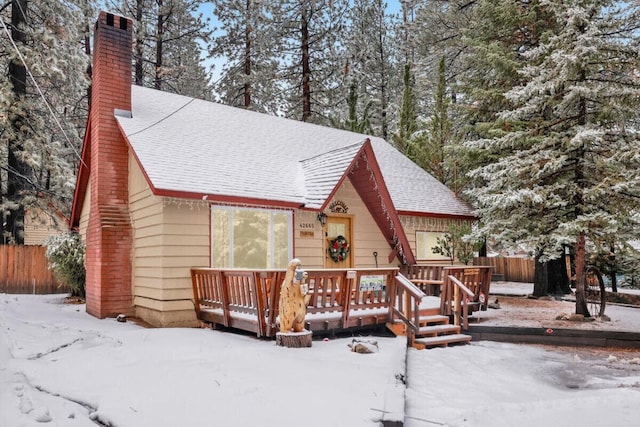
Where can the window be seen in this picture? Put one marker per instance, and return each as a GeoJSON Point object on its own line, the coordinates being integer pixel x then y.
{"type": "Point", "coordinates": [425, 242]}
{"type": "Point", "coordinates": [250, 238]}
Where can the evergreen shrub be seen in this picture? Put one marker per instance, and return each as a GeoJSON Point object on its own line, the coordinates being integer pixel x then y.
{"type": "Point", "coordinates": [65, 254]}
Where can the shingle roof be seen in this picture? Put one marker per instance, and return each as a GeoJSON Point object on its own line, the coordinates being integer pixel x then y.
{"type": "Point", "coordinates": [322, 172]}
{"type": "Point", "coordinates": [193, 146]}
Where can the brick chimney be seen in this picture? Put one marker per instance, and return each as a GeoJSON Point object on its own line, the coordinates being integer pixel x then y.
{"type": "Point", "coordinates": [109, 234]}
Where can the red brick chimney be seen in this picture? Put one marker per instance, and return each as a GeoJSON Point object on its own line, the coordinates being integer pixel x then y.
{"type": "Point", "coordinates": [109, 235]}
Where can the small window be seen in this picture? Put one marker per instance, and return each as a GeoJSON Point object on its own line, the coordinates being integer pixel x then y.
{"type": "Point", "coordinates": [425, 242]}
{"type": "Point", "coordinates": [251, 238]}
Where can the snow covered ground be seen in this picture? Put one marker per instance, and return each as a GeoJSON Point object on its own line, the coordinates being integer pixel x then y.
{"type": "Point", "coordinates": [62, 367]}
{"type": "Point", "coordinates": [517, 310]}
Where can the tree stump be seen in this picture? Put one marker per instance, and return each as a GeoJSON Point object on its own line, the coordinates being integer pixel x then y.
{"type": "Point", "coordinates": [294, 339]}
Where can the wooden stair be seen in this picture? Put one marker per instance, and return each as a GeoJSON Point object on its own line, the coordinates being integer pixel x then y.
{"type": "Point", "coordinates": [434, 330]}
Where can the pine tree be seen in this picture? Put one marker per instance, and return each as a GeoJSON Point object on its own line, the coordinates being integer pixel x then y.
{"type": "Point", "coordinates": [179, 65]}
{"type": "Point", "coordinates": [407, 123]}
{"type": "Point", "coordinates": [179, 29]}
{"type": "Point", "coordinates": [372, 53]}
{"type": "Point", "coordinates": [184, 72]}
{"type": "Point", "coordinates": [354, 122]}
{"type": "Point", "coordinates": [569, 172]}
{"type": "Point", "coordinates": [432, 42]}
{"type": "Point", "coordinates": [437, 29]}
{"type": "Point", "coordinates": [311, 56]}
{"type": "Point", "coordinates": [489, 50]}
{"type": "Point", "coordinates": [166, 45]}
{"type": "Point", "coordinates": [144, 15]}
{"type": "Point", "coordinates": [249, 76]}
{"type": "Point", "coordinates": [17, 168]}
{"type": "Point", "coordinates": [428, 148]}
{"type": "Point", "coordinates": [44, 107]}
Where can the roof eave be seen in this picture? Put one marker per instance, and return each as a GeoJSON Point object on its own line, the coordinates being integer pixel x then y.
{"type": "Point", "coordinates": [82, 180]}
{"type": "Point", "coordinates": [389, 221]}
{"type": "Point", "coordinates": [469, 217]}
{"type": "Point", "coordinates": [226, 199]}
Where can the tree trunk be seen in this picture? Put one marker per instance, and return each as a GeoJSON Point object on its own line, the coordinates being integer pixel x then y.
{"type": "Point", "coordinates": [550, 278]}
{"type": "Point", "coordinates": [306, 67]}
{"type": "Point", "coordinates": [87, 51]}
{"type": "Point", "coordinates": [540, 278]}
{"type": "Point", "coordinates": [294, 339]}
{"type": "Point", "coordinates": [482, 253]}
{"type": "Point", "coordinates": [13, 225]}
{"type": "Point", "coordinates": [247, 56]}
{"type": "Point", "coordinates": [558, 280]}
{"type": "Point", "coordinates": [612, 268]}
{"type": "Point", "coordinates": [384, 102]}
{"type": "Point", "coordinates": [580, 245]}
{"type": "Point", "coordinates": [581, 302]}
{"type": "Point", "coordinates": [139, 46]}
{"type": "Point", "coordinates": [159, 47]}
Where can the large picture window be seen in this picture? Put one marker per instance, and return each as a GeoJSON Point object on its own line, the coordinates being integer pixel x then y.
{"type": "Point", "coordinates": [425, 242]}
{"type": "Point", "coordinates": [250, 238]}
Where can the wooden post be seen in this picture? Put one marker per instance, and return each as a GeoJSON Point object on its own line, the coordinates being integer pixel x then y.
{"type": "Point", "coordinates": [456, 305]}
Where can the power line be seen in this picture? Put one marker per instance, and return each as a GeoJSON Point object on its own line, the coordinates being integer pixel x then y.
{"type": "Point", "coordinates": [53, 115]}
{"type": "Point", "coordinates": [161, 120]}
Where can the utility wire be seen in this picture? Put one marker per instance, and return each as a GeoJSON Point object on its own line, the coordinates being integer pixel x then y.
{"type": "Point", "coordinates": [34, 185]}
{"type": "Point", "coordinates": [55, 118]}
{"type": "Point", "coordinates": [161, 120]}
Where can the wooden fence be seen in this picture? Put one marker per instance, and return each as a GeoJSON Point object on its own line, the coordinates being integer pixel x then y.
{"type": "Point", "coordinates": [510, 269]}
{"type": "Point", "coordinates": [23, 270]}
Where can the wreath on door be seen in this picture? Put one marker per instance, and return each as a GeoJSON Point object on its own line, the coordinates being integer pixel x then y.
{"type": "Point", "coordinates": [339, 249]}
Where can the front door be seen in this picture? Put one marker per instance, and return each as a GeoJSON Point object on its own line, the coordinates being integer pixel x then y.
{"type": "Point", "coordinates": [337, 245]}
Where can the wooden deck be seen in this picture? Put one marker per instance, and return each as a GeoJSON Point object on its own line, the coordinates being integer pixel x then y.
{"type": "Point", "coordinates": [248, 299]}
{"type": "Point", "coordinates": [342, 299]}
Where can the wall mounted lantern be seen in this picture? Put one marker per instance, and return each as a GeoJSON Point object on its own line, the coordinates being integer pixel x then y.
{"type": "Point", "coordinates": [322, 218]}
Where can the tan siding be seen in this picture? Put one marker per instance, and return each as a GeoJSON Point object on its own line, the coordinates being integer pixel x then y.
{"type": "Point", "coordinates": [39, 225]}
{"type": "Point", "coordinates": [162, 305]}
{"type": "Point", "coordinates": [176, 261]}
{"type": "Point", "coordinates": [170, 238]}
{"type": "Point", "coordinates": [367, 237]}
{"type": "Point", "coordinates": [159, 294]}
{"type": "Point", "coordinates": [38, 228]}
{"type": "Point", "coordinates": [84, 213]}
{"type": "Point", "coordinates": [308, 249]}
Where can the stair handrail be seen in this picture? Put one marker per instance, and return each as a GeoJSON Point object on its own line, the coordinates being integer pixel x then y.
{"type": "Point", "coordinates": [458, 301]}
{"type": "Point", "coordinates": [407, 304]}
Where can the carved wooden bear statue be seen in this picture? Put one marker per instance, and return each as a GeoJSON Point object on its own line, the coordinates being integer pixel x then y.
{"type": "Point", "coordinates": [293, 299]}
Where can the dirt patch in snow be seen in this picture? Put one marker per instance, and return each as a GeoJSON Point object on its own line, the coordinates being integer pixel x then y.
{"type": "Point", "coordinates": [623, 298]}
{"type": "Point", "coordinates": [522, 311]}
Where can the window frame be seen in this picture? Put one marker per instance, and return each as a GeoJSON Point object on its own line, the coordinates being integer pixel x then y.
{"type": "Point", "coordinates": [430, 256]}
{"type": "Point", "coordinates": [231, 210]}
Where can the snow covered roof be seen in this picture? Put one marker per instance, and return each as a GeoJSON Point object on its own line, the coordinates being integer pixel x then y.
{"type": "Point", "coordinates": [195, 147]}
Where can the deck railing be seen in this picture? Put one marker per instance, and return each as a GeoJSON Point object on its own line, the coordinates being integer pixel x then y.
{"type": "Point", "coordinates": [339, 298]}
{"type": "Point", "coordinates": [248, 299]}
{"type": "Point", "coordinates": [464, 291]}
{"type": "Point", "coordinates": [236, 298]}
{"type": "Point", "coordinates": [407, 305]}
{"type": "Point", "coordinates": [429, 278]}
